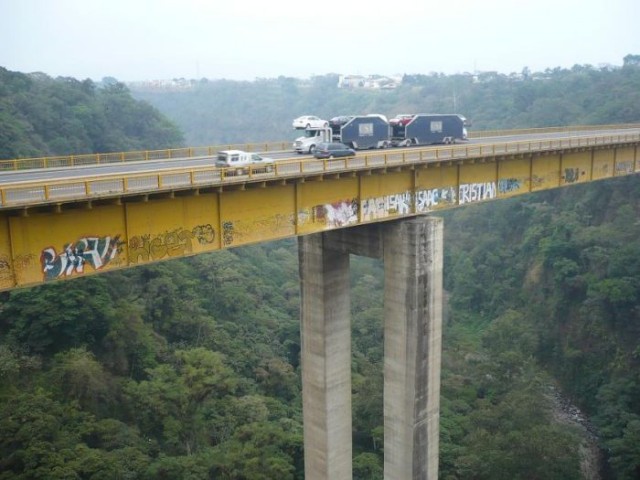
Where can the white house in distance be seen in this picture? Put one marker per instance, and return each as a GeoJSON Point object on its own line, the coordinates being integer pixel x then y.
{"type": "Point", "coordinates": [371, 82]}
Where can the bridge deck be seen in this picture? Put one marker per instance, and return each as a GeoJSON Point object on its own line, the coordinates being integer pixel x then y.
{"type": "Point", "coordinates": [65, 227]}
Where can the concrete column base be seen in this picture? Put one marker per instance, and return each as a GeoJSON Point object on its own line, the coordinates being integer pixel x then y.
{"type": "Point", "coordinates": [412, 254]}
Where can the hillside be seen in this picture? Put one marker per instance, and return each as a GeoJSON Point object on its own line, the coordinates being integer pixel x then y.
{"type": "Point", "coordinates": [190, 368]}
{"type": "Point", "coordinates": [213, 112]}
{"type": "Point", "coordinates": [42, 116]}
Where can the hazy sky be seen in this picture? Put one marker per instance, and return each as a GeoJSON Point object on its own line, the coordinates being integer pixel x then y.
{"type": "Point", "coordinates": [246, 39]}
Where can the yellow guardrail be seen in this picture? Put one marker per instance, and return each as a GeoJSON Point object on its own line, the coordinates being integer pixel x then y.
{"type": "Point", "coordinates": [543, 130]}
{"type": "Point", "coordinates": [112, 185]}
{"type": "Point", "coordinates": [121, 157]}
{"type": "Point", "coordinates": [190, 152]}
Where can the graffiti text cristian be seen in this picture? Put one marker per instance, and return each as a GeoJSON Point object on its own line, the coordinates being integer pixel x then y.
{"type": "Point", "coordinates": [476, 192]}
{"type": "Point", "coordinates": [95, 251]}
{"type": "Point", "coordinates": [144, 248]}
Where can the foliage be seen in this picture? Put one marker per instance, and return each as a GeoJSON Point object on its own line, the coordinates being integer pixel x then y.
{"type": "Point", "coordinates": [218, 112]}
{"type": "Point", "coordinates": [146, 377]}
{"type": "Point", "coordinates": [42, 116]}
{"type": "Point", "coordinates": [575, 252]}
{"type": "Point", "coordinates": [190, 368]}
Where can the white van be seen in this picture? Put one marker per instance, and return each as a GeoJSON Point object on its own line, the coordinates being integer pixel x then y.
{"type": "Point", "coordinates": [238, 158]}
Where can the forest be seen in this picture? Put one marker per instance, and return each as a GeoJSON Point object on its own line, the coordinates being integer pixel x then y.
{"type": "Point", "coordinates": [212, 112]}
{"type": "Point", "coordinates": [190, 368]}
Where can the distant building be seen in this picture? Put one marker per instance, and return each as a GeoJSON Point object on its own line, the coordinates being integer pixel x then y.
{"type": "Point", "coordinates": [370, 82]}
{"type": "Point", "coordinates": [176, 84]}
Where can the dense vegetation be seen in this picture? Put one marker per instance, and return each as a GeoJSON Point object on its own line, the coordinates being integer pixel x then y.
{"type": "Point", "coordinates": [562, 270]}
{"type": "Point", "coordinates": [190, 368]}
{"type": "Point", "coordinates": [223, 111]}
{"type": "Point", "coordinates": [42, 116]}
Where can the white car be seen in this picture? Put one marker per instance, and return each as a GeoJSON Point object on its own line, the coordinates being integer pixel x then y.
{"type": "Point", "coordinates": [309, 121]}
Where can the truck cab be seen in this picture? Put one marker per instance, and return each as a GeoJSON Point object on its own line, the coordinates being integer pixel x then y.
{"type": "Point", "coordinates": [311, 139]}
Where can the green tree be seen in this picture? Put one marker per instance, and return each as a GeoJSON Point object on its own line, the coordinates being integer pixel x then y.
{"type": "Point", "coordinates": [171, 404]}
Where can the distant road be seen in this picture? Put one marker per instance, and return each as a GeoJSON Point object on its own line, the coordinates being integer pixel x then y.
{"type": "Point", "coordinates": [11, 177]}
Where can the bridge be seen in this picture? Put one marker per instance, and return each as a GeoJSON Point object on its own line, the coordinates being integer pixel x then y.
{"type": "Point", "coordinates": [114, 211]}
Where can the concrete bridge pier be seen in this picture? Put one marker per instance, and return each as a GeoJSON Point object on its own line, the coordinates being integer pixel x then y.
{"type": "Point", "coordinates": [326, 359]}
{"type": "Point", "coordinates": [412, 254]}
{"type": "Point", "coordinates": [413, 257]}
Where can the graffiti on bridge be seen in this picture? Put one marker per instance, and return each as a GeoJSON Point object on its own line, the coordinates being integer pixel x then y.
{"type": "Point", "coordinates": [509, 185]}
{"type": "Point", "coordinates": [435, 197]}
{"type": "Point", "coordinates": [336, 214]}
{"type": "Point", "coordinates": [228, 231]}
{"type": "Point", "coordinates": [382, 207]}
{"type": "Point", "coordinates": [94, 251]}
{"type": "Point", "coordinates": [144, 248]}
{"type": "Point", "coordinates": [572, 175]}
{"type": "Point", "coordinates": [624, 167]}
{"type": "Point", "coordinates": [5, 268]}
{"type": "Point", "coordinates": [476, 192]}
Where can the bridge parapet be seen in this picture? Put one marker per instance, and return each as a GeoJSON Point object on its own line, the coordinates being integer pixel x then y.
{"type": "Point", "coordinates": [116, 185]}
{"type": "Point", "coordinates": [63, 161]}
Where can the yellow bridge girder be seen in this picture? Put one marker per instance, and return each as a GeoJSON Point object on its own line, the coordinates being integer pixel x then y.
{"type": "Point", "coordinates": [49, 239]}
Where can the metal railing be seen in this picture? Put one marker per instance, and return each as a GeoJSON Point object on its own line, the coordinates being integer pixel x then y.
{"type": "Point", "coordinates": [208, 151]}
{"type": "Point", "coordinates": [545, 130]}
{"type": "Point", "coordinates": [56, 191]}
{"type": "Point", "coordinates": [122, 157]}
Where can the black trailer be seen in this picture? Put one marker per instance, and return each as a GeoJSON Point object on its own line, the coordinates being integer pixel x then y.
{"type": "Point", "coordinates": [425, 129]}
{"type": "Point", "coordinates": [362, 132]}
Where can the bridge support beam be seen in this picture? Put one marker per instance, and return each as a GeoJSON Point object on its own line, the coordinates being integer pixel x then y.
{"type": "Point", "coordinates": [412, 254]}
{"type": "Point", "coordinates": [326, 360]}
{"type": "Point", "coordinates": [413, 257]}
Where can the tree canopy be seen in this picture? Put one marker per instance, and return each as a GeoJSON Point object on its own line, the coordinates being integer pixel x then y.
{"type": "Point", "coordinates": [190, 368]}
{"type": "Point", "coordinates": [42, 116]}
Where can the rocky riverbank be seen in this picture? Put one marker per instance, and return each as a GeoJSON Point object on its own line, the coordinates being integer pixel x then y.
{"type": "Point", "coordinates": [591, 456]}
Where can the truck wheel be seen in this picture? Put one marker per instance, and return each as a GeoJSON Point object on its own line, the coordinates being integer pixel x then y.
{"type": "Point", "coordinates": [312, 149]}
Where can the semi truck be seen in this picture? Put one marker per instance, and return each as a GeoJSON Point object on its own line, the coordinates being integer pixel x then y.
{"type": "Point", "coordinates": [362, 132]}
{"type": "Point", "coordinates": [357, 132]}
{"type": "Point", "coordinates": [426, 129]}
